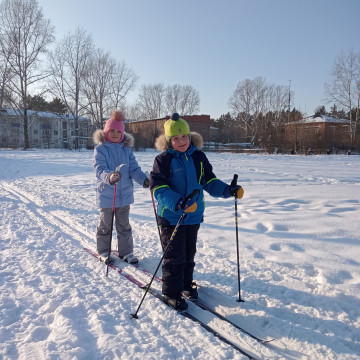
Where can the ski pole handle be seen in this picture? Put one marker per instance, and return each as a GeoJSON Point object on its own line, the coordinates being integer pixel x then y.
{"type": "Point", "coordinates": [234, 180]}
{"type": "Point", "coordinates": [191, 207]}
{"type": "Point", "coordinates": [195, 192]}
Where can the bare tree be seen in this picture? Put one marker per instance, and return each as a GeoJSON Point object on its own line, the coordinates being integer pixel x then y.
{"type": "Point", "coordinates": [259, 109]}
{"type": "Point", "coordinates": [5, 73]}
{"type": "Point", "coordinates": [106, 85]}
{"type": "Point", "coordinates": [69, 64]}
{"type": "Point", "coordinates": [123, 82]}
{"type": "Point", "coordinates": [241, 100]}
{"type": "Point", "coordinates": [151, 101]}
{"type": "Point", "coordinates": [278, 101]}
{"type": "Point", "coordinates": [343, 89]}
{"type": "Point", "coordinates": [182, 99]}
{"type": "Point", "coordinates": [24, 36]}
{"type": "Point", "coordinates": [245, 103]}
{"type": "Point", "coordinates": [133, 112]}
{"type": "Point", "coordinates": [97, 85]}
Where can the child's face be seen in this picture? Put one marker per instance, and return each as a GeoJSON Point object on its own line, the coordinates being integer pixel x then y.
{"type": "Point", "coordinates": [114, 135]}
{"type": "Point", "coordinates": [180, 142]}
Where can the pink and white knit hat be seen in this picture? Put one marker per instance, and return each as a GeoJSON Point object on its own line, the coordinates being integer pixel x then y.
{"type": "Point", "coordinates": [116, 122]}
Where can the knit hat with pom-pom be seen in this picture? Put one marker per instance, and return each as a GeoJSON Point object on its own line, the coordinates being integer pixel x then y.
{"type": "Point", "coordinates": [176, 126]}
{"type": "Point", "coordinates": [116, 122]}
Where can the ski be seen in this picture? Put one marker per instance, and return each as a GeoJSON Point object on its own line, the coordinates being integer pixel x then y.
{"type": "Point", "coordinates": [185, 313]}
{"type": "Point", "coordinates": [136, 266]}
{"type": "Point", "coordinates": [115, 257]}
{"type": "Point", "coordinates": [197, 302]}
{"type": "Point", "coordinates": [200, 304]}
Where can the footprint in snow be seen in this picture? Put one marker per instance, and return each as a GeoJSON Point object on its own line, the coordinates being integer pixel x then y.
{"type": "Point", "coordinates": [275, 247]}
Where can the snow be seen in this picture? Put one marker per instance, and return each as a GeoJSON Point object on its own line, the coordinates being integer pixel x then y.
{"type": "Point", "coordinates": [321, 119]}
{"type": "Point", "coordinates": [45, 114]}
{"type": "Point", "coordinates": [299, 262]}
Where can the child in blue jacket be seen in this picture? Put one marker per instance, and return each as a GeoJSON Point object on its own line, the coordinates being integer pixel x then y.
{"type": "Point", "coordinates": [177, 172]}
{"type": "Point", "coordinates": [114, 149]}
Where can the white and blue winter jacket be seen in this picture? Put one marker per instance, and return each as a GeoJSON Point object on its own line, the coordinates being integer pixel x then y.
{"type": "Point", "coordinates": [107, 157]}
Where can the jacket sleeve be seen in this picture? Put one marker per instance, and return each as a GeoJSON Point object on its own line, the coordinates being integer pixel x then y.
{"type": "Point", "coordinates": [214, 186]}
{"type": "Point", "coordinates": [160, 182]}
{"type": "Point", "coordinates": [135, 171]}
{"type": "Point", "coordinates": [100, 165]}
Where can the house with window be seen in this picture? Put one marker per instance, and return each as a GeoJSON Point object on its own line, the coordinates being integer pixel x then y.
{"type": "Point", "coordinates": [319, 134]}
{"type": "Point", "coordinates": [45, 130]}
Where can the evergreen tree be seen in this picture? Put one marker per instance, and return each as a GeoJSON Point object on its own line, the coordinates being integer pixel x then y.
{"type": "Point", "coordinates": [320, 110]}
{"type": "Point", "coordinates": [57, 106]}
{"type": "Point", "coordinates": [36, 103]}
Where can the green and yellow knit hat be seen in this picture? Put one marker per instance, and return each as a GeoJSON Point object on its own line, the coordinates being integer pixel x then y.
{"type": "Point", "coordinates": [176, 126]}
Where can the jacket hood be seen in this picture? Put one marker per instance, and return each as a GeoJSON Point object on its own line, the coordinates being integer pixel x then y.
{"type": "Point", "coordinates": [99, 138]}
{"type": "Point", "coordinates": [162, 145]}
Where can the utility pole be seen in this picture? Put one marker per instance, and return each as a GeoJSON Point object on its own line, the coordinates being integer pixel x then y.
{"type": "Point", "coordinates": [289, 101]}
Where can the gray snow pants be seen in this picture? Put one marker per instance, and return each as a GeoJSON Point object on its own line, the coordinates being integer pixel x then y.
{"type": "Point", "coordinates": [123, 229]}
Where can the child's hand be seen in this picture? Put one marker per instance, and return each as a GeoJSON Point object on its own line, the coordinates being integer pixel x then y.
{"type": "Point", "coordinates": [234, 190]}
{"type": "Point", "coordinates": [189, 206]}
{"type": "Point", "coordinates": [114, 177]}
{"type": "Point", "coordinates": [146, 183]}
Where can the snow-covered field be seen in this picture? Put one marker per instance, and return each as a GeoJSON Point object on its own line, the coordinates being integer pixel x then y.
{"type": "Point", "coordinates": [299, 237]}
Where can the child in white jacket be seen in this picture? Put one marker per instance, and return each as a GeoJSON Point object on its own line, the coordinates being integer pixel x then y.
{"type": "Point", "coordinates": [114, 148]}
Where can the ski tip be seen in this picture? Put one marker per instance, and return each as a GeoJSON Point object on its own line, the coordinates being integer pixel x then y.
{"type": "Point", "coordinates": [267, 341]}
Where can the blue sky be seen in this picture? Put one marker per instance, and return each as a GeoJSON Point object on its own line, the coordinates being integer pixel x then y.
{"type": "Point", "coordinates": [213, 45]}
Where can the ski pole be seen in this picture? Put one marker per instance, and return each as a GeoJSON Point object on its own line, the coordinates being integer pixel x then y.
{"type": "Point", "coordinates": [153, 202]}
{"type": "Point", "coordinates": [233, 183]}
{"type": "Point", "coordinates": [196, 191]}
{"type": "Point", "coordinates": [112, 223]}
{"type": "Point", "coordinates": [157, 222]}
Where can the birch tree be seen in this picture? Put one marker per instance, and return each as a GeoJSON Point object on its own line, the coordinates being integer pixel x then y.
{"type": "Point", "coordinates": [123, 82]}
{"type": "Point", "coordinates": [69, 65]}
{"type": "Point", "coordinates": [259, 107]}
{"type": "Point", "coordinates": [25, 35]}
{"type": "Point", "coordinates": [344, 86]}
{"type": "Point", "coordinates": [151, 101]}
{"type": "Point", "coordinates": [182, 99]}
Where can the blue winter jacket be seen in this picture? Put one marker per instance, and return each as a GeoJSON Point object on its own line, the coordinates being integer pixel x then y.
{"type": "Point", "coordinates": [177, 174]}
{"type": "Point", "coordinates": [107, 156]}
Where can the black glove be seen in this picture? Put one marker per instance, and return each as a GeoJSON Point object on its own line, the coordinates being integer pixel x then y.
{"type": "Point", "coordinates": [234, 190]}
{"type": "Point", "coordinates": [146, 183]}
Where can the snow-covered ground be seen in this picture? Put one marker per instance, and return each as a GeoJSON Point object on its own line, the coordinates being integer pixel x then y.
{"type": "Point", "coordinates": [299, 238]}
